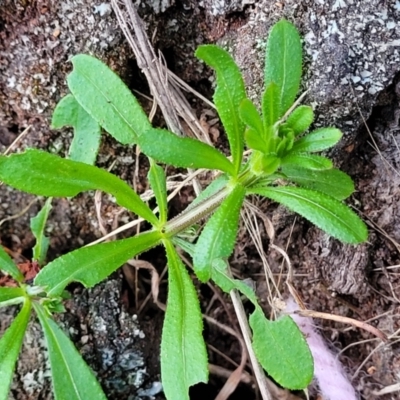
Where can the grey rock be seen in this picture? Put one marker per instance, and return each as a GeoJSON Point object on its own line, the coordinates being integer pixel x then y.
{"type": "Point", "coordinates": [224, 7]}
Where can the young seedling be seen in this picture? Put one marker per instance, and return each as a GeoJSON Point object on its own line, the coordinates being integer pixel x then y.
{"type": "Point", "coordinates": [282, 166]}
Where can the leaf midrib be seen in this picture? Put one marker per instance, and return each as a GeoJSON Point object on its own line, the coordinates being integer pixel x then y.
{"type": "Point", "coordinates": [297, 196]}
{"type": "Point", "coordinates": [52, 335]}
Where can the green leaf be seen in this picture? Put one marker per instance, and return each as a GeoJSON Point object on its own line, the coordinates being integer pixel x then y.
{"type": "Point", "coordinates": [264, 163]}
{"type": "Point", "coordinates": [270, 105]}
{"type": "Point", "coordinates": [38, 225]}
{"type": "Point", "coordinates": [158, 183]}
{"type": "Point", "coordinates": [217, 239]}
{"type": "Point", "coordinates": [255, 141]}
{"type": "Point", "coordinates": [71, 376]}
{"type": "Point", "coordinates": [86, 141]}
{"type": "Point", "coordinates": [90, 265]}
{"type": "Point", "coordinates": [107, 99]}
{"type": "Point", "coordinates": [10, 346]}
{"type": "Point", "coordinates": [300, 119]}
{"type": "Point", "coordinates": [324, 211]}
{"type": "Point", "coordinates": [45, 174]}
{"type": "Point", "coordinates": [228, 95]}
{"type": "Point", "coordinates": [250, 116]}
{"type": "Point", "coordinates": [184, 245]}
{"type": "Point", "coordinates": [183, 351]}
{"type": "Point", "coordinates": [220, 276]}
{"type": "Point", "coordinates": [283, 62]}
{"type": "Point", "coordinates": [332, 182]}
{"type": "Point", "coordinates": [318, 140]}
{"type": "Point", "coordinates": [163, 146]}
{"type": "Point", "coordinates": [7, 265]}
{"type": "Point", "coordinates": [282, 350]}
{"type": "Point", "coordinates": [307, 161]}
{"type": "Point", "coordinates": [286, 142]}
{"type": "Point", "coordinates": [11, 295]}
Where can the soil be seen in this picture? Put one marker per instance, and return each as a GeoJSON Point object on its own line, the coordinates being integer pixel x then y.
{"type": "Point", "coordinates": [360, 282]}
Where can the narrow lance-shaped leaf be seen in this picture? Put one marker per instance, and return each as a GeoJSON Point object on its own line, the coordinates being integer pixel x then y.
{"type": "Point", "coordinates": [283, 62]}
{"type": "Point", "coordinates": [183, 244]}
{"type": "Point", "coordinates": [270, 107]}
{"type": "Point", "coordinates": [11, 295]}
{"type": "Point", "coordinates": [86, 141]}
{"type": "Point", "coordinates": [227, 97]}
{"type": "Point", "coordinates": [307, 161]}
{"type": "Point", "coordinates": [250, 116]}
{"type": "Point", "coordinates": [165, 147]}
{"type": "Point", "coordinates": [217, 239]}
{"type": "Point", "coordinates": [183, 351]}
{"type": "Point", "coordinates": [90, 265]}
{"type": "Point", "coordinates": [324, 211]}
{"type": "Point", "coordinates": [107, 99]}
{"type": "Point", "coordinates": [282, 350]}
{"type": "Point", "coordinates": [332, 182]}
{"type": "Point", "coordinates": [38, 225]}
{"type": "Point", "coordinates": [10, 346]}
{"type": "Point", "coordinates": [7, 265]}
{"type": "Point", "coordinates": [300, 119]}
{"type": "Point", "coordinates": [45, 174]}
{"type": "Point", "coordinates": [318, 140]}
{"type": "Point", "coordinates": [221, 277]}
{"type": "Point", "coordinates": [71, 376]}
{"type": "Point", "coordinates": [255, 141]}
{"type": "Point", "coordinates": [254, 135]}
{"type": "Point", "coordinates": [158, 184]}
{"type": "Point", "coordinates": [265, 164]}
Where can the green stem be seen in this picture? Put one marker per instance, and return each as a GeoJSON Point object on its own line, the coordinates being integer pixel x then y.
{"type": "Point", "coordinates": [194, 214]}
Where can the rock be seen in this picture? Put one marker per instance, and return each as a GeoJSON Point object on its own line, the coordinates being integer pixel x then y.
{"type": "Point", "coordinates": [109, 339]}
{"type": "Point", "coordinates": [224, 7]}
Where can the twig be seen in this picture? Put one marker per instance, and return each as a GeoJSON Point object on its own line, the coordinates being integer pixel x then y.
{"type": "Point", "coordinates": [344, 320]}
{"type": "Point", "coordinates": [148, 62]}
{"type": "Point", "coordinates": [244, 326]}
{"type": "Point", "coordinates": [18, 139]}
{"type": "Point", "coordinates": [15, 216]}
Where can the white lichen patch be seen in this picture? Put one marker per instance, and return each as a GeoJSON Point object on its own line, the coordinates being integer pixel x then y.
{"type": "Point", "coordinates": [159, 6]}
{"type": "Point", "coordinates": [104, 9]}
{"type": "Point", "coordinates": [33, 367]}
{"type": "Point", "coordinates": [117, 344]}
{"type": "Point", "coordinates": [224, 7]}
{"type": "Point", "coordinates": [35, 58]}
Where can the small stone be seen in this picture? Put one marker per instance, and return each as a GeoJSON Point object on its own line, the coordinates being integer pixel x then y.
{"type": "Point", "coordinates": [104, 10]}
{"type": "Point", "coordinates": [390, 25]}
{"type": "Point", "coordinates": [84, 339]}
{"type": "Point", "coordinates": [372, 90]}
{"type": "Point", "coordinates": [365, 74]}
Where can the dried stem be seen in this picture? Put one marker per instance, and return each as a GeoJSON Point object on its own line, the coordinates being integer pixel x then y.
{"type": "Point", "coordinates": [244, 326]}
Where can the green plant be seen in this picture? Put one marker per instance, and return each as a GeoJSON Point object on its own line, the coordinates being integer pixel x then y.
{"type": "Point", "coordinates": [281, 152]}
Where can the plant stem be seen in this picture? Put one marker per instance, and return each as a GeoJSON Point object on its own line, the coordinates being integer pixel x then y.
{"type": "Point", "coordinates": [194, 214]}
